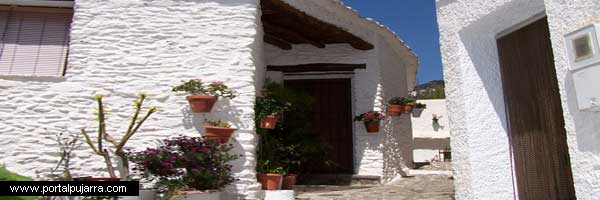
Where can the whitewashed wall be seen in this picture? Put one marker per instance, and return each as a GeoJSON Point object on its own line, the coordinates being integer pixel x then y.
{"type": "Point", "coordinates": [474, 94]}
{"type": "Point", "coordinates": [583, 128]}
{"type": "Point", "coordinates": [427, 137]}
{"type": "Point", "coordinates": [480, 149]}
{"type": "Point", "coordinates": [121, 48]}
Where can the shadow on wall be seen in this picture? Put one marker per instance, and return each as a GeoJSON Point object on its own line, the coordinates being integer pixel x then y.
{"type": "Point", "coordinates": [585, 122]}
{"type": "Point", "coordinates": [479, 39]}
{"type": "Point", "coordinates": [223, 110]}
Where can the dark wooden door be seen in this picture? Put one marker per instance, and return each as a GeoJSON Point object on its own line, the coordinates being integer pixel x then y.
{"type": "Point", "coordinates": [331, 121]}
{"type": "Point", "coordinates": [536, 123]}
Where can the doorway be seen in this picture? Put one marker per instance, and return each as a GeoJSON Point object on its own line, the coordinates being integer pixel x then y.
{"type": "Point", "coordinates": [330, 121]}
{"type": "Point", "coordinates": [534, 114]}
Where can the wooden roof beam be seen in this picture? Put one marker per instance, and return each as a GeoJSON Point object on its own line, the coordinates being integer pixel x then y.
{"type": "Point", "coordinates": [292, 33]}
{"type": "Point", "coordinates": [282, 44]}
{"type": "Point", "coordinates": [317, 67]}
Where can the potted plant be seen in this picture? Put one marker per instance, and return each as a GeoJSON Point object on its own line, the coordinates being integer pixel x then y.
{"type": "Point", "coordinates": [189, 167]}
{"type": "Point", "coordinates": [408, 104]}
{"type": "Point", "coordinates": [418, 110]}
{"type": "Point", "coordinates": [203, 97]}
{"type": "Point", "coordinates": [271, 179]}
{"type": "Point", "coordinates": [268, 110]}
{"type": "Point", "coordinates": [395, 106]}
{"type": "Point", "coordinates": [371, 120]}
{"type": "Point", "coordinates": [218, 130]}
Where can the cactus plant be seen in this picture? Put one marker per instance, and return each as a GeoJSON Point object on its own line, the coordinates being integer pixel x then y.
{"type": "Point", "coordinates": [133, 127]}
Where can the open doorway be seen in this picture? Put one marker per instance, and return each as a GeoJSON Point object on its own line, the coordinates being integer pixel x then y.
{"type": "Point", "coordinates": [535, 120]}
{"type": "Point", "coordinates": [330, 119]}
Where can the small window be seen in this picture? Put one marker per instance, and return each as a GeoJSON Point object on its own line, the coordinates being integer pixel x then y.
{"type": "Point", "coordinates": [34, 40]}
{"type": "Point", "coordinates": [583, 47]}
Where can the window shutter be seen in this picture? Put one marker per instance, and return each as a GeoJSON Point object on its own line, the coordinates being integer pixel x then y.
{"type": "Point", "coordinates": [34, 41]}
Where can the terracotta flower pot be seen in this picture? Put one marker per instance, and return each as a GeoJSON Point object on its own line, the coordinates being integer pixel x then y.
{"type": "Point", "coordinates": [372, 127]}
{"type": "Point", "coordinates": [200, 103]}
{"type": "Point", "coordinates": [408, 108]}
{"type": "Point", "coordinates": [289, 180]}
{"type": "Point", "coordinates": [269, 181]}
{"type": "Point", "coordinates": [394, 110]}
{"type": "Point", "coordinates": [218, 133]}
{"type": "Point", "coordinates": [268, 122]}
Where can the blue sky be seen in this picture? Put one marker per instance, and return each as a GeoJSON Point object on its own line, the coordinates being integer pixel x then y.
{"type": "Point", "coordinates": [415, 21]}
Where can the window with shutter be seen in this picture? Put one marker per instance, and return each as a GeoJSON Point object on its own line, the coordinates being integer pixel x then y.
{"type": "Point", "coordinates": [34, 40]}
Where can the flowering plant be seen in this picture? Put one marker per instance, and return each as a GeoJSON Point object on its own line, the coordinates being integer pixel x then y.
{"type": "Point", "coordinates": [436, 118]}
{"type": "Point", "coordinates": [197, 87]}
{"type": "Point", "coordinates": [371, 116]}
{"type": "Point", "coordinates": [188, 162]}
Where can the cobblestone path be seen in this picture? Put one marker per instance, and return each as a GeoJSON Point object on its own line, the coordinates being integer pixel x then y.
{"type": "Point", "coordinates": [429, 187]}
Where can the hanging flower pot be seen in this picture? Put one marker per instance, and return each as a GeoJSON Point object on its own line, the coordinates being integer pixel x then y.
{"type": "Point", "coordinates": [203, 97]}
{"type": "Point", "coordinates": [371, 120]}
{"type": "Point", "coordinates": [269, 181]}
{"type": "Point", "coordinates": [218, 130]}
{"type": "Point", "coordinates": [372, 127]}
{"type": "Point", "coordinates": [408, 107]}
{"type": "Point", "coordinates": [394, 110]}
{"type": "Point", "coordinates": [289, 180]}
{"type": "Point", "coordinates": [418, 110]}
{"type": "Point", "coordinates": [201, 104]}
{"type": "Point", "coordinates": [268, 122]}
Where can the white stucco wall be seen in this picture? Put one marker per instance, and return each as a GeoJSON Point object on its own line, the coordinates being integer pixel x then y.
{"type": "Point", "coordinates": [480, 148]}
{"type": "Point", "coordinates": [121, 48]}
{"type": "Point", "coordinates": [583, 128]}
{"type": "Point", "coordinates": [473, 88]}
{"type": "Point", "coordinates": [428, 138]}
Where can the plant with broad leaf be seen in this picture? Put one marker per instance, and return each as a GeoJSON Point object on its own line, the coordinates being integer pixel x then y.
{"type": "Point", "coordinates": [100, 149]}
{"type": "Point", "coordinates": [188, 162]}
{"type": "Point", "coordinates": [401, 100]}
{"type": "Point", "coordinates": [197, 87]}
{"type": "Point", "coordinates": [270, 106]}
{"type": "Point", "coordinates": [371, 116]}
{"type": "Point", "coordinates": [218, 123]}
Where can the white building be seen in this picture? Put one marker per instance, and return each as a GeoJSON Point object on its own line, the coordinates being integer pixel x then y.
{"type": "Point", "coordinates": [518, 101]}
{"type": "Point", "coordinates": [57, 54]}
{"type": "Point", "coordinates": [430, 139]}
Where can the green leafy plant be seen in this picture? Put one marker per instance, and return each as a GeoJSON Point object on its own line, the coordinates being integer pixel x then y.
{"type": "Point", "coordinates": [6, 175]}
{"type": "Point", "coordinates": [197, 87]}
{"type": "Point", "coordinates": [270, 106]}
{"type": "Point", "coordinates": [401, 100]}
{"type": "Point", "coordinates": [420, 105]}
{"type": "Point", "coordinates": [371, 116]}
{"type": "Point", "coordinates": [218, 123]}
{"type": "Point", "coordinates": [188, 162]}
{"type": "Point", "coordinates": [100, 149]}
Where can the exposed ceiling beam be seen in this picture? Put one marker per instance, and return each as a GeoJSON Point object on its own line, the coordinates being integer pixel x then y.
{"type": "Point", "coordinates": [277, 42]}
{"type": "Point", "coordinates": [331, 34]}
{"type": "Point", "coordinates": [316, 67]}
{"type": "Point", "coordinates": [291, 33]}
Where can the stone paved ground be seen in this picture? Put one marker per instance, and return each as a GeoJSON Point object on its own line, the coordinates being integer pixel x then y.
{"type": "Point", "coordinates": [430, 187]}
